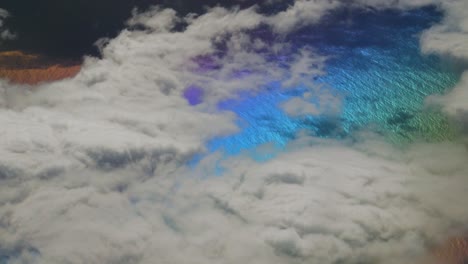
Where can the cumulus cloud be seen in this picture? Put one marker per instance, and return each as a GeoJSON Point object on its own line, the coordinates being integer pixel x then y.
{"type": "Point", "coordinates": [298, 107]}
{"type": "Point", "coordinates": [317, 101]}
{"type": "Point", "coordinates": [366, 209]}
{"type": "Point", "coordinates": [5, 34]}
{"type": "Point", "coordinates": [3, 14]}
{"type": "Point", "coordinates": [128, 106]}
{"type": "Point", "coordinates": [94, 169]}
{"type": "Point", "coordinates": [449, 38]}
{"type": "Point", "coordinates": [298, 208]}
{"type": "Point", "coordinates": [301, 13]}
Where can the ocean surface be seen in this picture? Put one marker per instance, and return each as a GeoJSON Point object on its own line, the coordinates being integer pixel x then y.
{"type": "Point", "coordinates": [376, 74]}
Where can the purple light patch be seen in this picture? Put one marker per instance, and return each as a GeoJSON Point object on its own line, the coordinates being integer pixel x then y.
{"type": "Point", "coordinates": [206, 63]}
{"type": "Point", "coordinates": [194, 95]}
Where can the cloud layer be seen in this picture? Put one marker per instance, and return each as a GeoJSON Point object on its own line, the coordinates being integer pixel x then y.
{"type": "Point", "coordinates": [5, 34]}
{"type": "Point", "coordinates": [449, 39]}
{"type": "Point", "coordinates": [94, 169]}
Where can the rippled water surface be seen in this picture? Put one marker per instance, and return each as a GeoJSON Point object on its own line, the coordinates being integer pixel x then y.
{"type": "Point", "coordinates": [376, 70]}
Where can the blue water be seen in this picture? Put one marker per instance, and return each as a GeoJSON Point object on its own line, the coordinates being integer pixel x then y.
{"type": "Point", "coordinates": [374, 65]}
{"type": "Point", "coordinates": [378, 66]}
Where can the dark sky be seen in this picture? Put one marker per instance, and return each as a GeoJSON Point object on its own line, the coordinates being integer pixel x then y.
{"type": "Point", "coordinates": [69, 28]}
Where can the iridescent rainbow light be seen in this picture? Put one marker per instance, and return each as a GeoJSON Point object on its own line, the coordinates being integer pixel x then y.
{"type": "Point", "coordinates": [375, 65]}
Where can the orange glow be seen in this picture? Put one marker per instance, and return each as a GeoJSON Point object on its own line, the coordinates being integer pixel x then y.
{"type": "Point", "coordinates": [454, 251]}
{"type": "Point", "coordinates": [35, 76]}
{"type": "Point", "coordinates": [22, 68]}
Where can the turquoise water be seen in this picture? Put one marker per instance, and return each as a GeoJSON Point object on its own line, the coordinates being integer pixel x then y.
{"type": "Point", "coordinates": [375, 67]}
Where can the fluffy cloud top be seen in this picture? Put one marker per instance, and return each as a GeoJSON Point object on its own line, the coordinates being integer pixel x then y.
{"type": "Point", "coordinates": [5, 34]}
{"type": "Point", "coordinates": [449, 39]}
{"type": "Point", "coordinates": [3, 14]}
{"type": "Point", "coordinates": [301, 207]}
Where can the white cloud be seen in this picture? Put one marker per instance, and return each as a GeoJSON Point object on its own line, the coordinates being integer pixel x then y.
{"type": "Point", "coordinates": [299, 107]}
{"type": "Point", "coordinates": [5, 34]}
{"type": "Point", "coordinates": [357, 203]}
{"type": "Point", "coordinates": [301, 13]}
{"type": "Point", "coordinates": [315, 204]}
{"type": "Point", "coordinates": [449, 38]}
{"type": "Point", "coordinates": [317, 101]}
{"type": "Point", "coordinates": [454, 102]}
{"type": "Point", "coordinates": [154, 19]}
{"type": "Point", "coordinates": [3, 14]}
